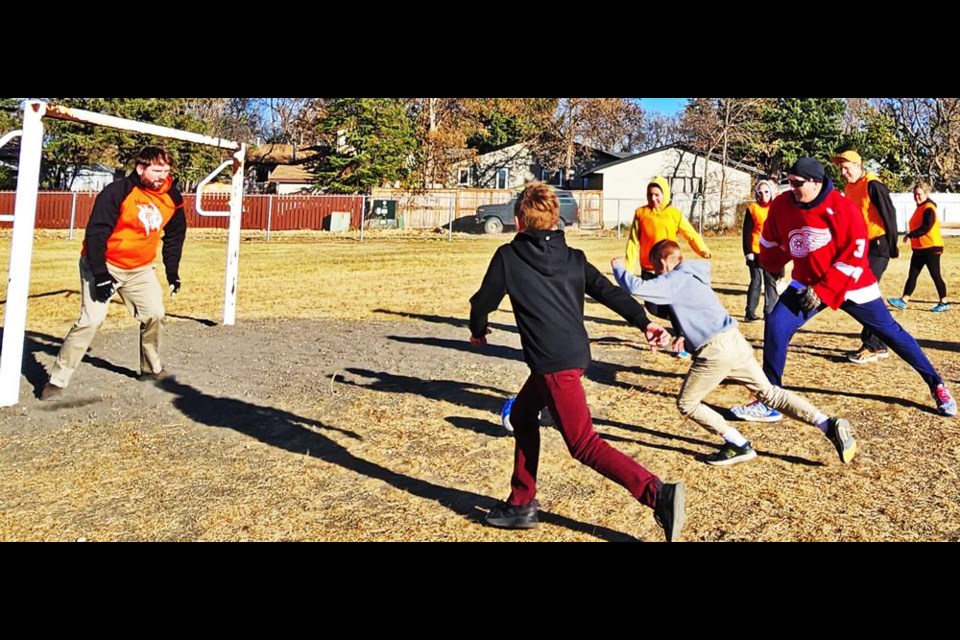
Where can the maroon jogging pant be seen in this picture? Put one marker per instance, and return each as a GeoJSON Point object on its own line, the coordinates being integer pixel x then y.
{"type": "Point", "coordinates": [562, 393]}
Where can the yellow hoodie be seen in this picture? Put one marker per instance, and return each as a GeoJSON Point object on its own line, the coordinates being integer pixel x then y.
{"type": "Point", "coordinates": [650, 226]}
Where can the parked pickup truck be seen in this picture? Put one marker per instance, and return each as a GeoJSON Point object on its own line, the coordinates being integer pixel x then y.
{"type": "Point", "coordinates": [494, 218]}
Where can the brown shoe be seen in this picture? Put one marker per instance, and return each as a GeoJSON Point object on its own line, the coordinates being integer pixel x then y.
{"type": "Point", "coordinates": [163, 374]}
{"type": "Point", "coordinates": [51, 392]}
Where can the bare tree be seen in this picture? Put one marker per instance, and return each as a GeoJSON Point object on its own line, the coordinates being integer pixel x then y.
{"type": "Point", "coordinates": [930, 129]}
{"type": "Point", "coordinates": [659, 130]}
{"type": "Point", "coordinates": [714, 124]}
{"type": "Point", "coordinates": [855, 115]}
{"type": "Point", "coordinates": [290, 120]}
{"type": "Point", "coordinates": [613, 124]}
{"type": "Point", "coordinates": [443, 126]}
{"type": "Point", "coordinates": [231, 118]}
{"type": "Point", "coordinates": [609, 124]}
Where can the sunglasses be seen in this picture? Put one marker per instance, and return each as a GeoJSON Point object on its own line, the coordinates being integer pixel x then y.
{"type": "Point", "coordinates": [796, 184]}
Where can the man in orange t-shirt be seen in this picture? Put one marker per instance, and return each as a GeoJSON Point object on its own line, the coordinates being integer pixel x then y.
{"type": "Point", "coordinates": [130, 217]}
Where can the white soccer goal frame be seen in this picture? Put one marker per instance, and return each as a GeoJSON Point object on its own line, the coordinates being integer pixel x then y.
{"type": "Point", "coordinates": [25, 213]}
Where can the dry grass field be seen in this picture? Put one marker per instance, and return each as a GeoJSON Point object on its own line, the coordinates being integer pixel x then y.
{"type": "Point", "coordinates": [347, 405]}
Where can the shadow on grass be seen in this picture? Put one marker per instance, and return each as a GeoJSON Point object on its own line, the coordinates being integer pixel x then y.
{"type": "Point", "coordinates": [491, 350]}
{"type": "Point", "coordinates": [453, 322]}
{"type": "Point", "coordinates": [66, 293]}
{"type": "Point", "coordinates": [204, 321]}
{"type": "Point", "coordinates": [305, 436]}
{"type": "Point", "coordinates": [453, 391]}
{"type": "Point", "coordinates": [697, 455]}
{"type": "Point", "coordinates": [35, 373]}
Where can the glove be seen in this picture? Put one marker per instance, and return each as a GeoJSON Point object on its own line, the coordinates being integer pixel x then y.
{"type": "Point", "coordinates": [103, 287]}
{"type": "Point", "coordinates": [809, 300]}
{"type": "Point", "coordinates": [173, 279]}
{"type": "Point", "coordinates": [894, 250]}
{"type": "Point", "coordinates": [751, 257]}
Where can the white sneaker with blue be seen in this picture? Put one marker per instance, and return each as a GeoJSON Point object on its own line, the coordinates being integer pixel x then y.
{"type": "Point", "coordinates": [505, 414]}
{"type": "Point", "coordinates": [757, 412]}
{"type": "Point", "coordinates": [544, 417]}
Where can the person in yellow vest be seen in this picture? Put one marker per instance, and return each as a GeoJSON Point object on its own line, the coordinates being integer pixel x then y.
{"type": "Point", "coordinates": [753, 221]}
{"type": "Point", "coordinates": [873, 199]}
{"type": "Point", "coordinates": [657, 221]}
{"type": "Point", "coordinates": [128, 221]}
{"type": "Point", "coordinates": [923, 232]}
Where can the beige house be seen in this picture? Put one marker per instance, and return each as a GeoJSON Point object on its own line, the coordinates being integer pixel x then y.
{"type": "Point", "coordinates": [280, 168]}
{"type": "Point", "coordinates": [695, 182]}
{"type": "Point", "coordinates": [289, 178]}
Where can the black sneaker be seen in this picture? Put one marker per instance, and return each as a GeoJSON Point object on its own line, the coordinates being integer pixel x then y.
{"type": "Point", "coordinates": [507, 516]}
{"type": "Point", "coordinates": [149, 376]}
{"type": "Point", "coordinates": [730, 454]}
{"type": "Point", "coordinates": [669, 512]}
{"type": "Point", "coordinates": [840, 434]}
{"type": "Point", "coordinates": [51, 392]}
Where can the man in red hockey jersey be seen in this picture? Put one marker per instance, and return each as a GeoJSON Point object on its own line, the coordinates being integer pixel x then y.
{"type": "Point", "coordinates": [826, 237]}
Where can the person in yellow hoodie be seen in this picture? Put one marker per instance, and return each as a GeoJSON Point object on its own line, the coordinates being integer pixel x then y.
{"type": "Point", "coordinates": [655, 222]}
{"type": "Point", "coordinates": [927, 244]}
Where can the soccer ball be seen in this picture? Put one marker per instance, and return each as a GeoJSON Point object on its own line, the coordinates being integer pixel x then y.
{"type": "Point", "coordinates": [546, 420]}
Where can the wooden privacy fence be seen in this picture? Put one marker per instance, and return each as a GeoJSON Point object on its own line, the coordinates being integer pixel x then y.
{"type": "Point", "coordinates": [425, 210]}
{"type": "Point", "coordinates": [260, 212]}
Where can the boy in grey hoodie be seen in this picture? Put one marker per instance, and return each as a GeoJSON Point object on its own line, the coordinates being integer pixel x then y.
{"type": "Point", "coordinates": [720, 352]}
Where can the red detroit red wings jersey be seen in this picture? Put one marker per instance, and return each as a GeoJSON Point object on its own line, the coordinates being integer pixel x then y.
{"type": "Point", "coordinates": [828, 246]}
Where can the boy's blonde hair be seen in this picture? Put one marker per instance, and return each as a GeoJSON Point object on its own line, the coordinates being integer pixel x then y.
{"type": "Point", "coordinates": [537, 207]}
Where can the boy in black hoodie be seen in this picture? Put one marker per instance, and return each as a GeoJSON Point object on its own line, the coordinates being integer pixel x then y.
{"type": "Point", "coordinates": [546, 281]}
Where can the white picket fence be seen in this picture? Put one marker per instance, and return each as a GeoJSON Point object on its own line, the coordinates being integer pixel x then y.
{"type": "Point", "coordinates": [948, 210]}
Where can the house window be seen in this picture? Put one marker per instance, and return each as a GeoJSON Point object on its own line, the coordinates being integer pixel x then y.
{"type": "Point", "coordinates": [463, 177]}
{"type": "Point", "coordinates": [552, 177]}
{"type": "Point", "coordinates": [502, 176]}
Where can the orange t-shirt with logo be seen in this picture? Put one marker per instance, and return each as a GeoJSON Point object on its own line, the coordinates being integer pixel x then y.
{"type": "Point", "coordinates": [135, 220]}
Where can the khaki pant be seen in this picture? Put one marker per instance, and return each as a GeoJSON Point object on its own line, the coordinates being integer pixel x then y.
{"type": "Point", "coordinates": [728, 355]}
{"type": "Point", "coordinates": [141, 293]}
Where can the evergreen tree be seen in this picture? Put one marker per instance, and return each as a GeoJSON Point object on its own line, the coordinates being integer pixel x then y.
{"type": "Point", "coordinates": [371, 143]}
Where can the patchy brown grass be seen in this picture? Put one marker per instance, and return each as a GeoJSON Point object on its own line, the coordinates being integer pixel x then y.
{"type": "Point", "coordinates": [345, 406]}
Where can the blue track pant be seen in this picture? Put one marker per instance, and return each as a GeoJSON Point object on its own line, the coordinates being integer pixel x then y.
{"type": "Point", "coordinates": [787, 317]}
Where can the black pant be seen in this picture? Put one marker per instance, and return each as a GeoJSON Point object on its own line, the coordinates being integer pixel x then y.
{"type": "Point", "coordinates": [878, 264]}
{"type": "Point", "coordinates": [758, 276]}
{"type": "Point", "coordinates": [929, 258]}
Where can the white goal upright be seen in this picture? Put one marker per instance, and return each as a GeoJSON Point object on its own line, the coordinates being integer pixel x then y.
{"type": "Point", "coordinates": [25, 213]}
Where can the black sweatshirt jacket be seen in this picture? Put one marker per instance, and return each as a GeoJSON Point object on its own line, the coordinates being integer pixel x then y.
{"type": "Point", "coordinates": [546, 281]}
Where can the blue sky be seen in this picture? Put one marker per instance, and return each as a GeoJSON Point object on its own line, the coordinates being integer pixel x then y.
{"type": "Point", "coordinates": [666, 106]}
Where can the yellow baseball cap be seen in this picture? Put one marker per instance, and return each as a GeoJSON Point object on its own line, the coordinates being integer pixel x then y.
{"type": "Point", "coordinates": [847, 156]}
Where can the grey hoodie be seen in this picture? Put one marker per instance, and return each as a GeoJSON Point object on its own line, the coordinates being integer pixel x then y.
{"type": "Point", "coordinates": [695, 309]}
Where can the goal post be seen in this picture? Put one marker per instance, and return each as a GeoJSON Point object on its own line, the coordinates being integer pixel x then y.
{"type": "Point", "coordinates": [25, 212]}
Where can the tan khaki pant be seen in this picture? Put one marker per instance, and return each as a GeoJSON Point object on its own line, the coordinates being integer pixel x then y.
{"type": "Point", "coordinates": [728, 355]}
{"type": "Point", "coordinates": [141, 293]}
